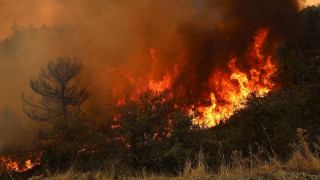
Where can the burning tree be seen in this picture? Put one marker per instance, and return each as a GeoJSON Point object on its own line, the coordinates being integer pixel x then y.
{"type": "Point", "coordinates": [155, 132]}
{"type": "Point", "coordinates": [58, 90]}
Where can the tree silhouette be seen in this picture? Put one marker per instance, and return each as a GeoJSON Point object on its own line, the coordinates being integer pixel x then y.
{"type": "Point", "coordinates": [59, 91]}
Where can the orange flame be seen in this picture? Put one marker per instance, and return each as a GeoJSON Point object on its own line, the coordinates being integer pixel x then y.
{"type": "Point", "coordinates": [230, 88]}
{"type": "Point", "coordinates": [14, 165]}
{"type": "Point", "coordinates": [233, 87]}
{"type": "Point", "coordinates": [167, 79]}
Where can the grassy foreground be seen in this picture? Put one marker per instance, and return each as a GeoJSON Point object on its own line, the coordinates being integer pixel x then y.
{"type": "Point", "coordinates": [302, 164]}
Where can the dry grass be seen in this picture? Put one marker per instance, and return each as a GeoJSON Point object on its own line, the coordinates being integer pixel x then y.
{"type": "Point", "coordinates": [302, 160]}
{"type": "Point", "coordinates": [249, 165]}
{"type": "Point", "coordinates": [200, 171]}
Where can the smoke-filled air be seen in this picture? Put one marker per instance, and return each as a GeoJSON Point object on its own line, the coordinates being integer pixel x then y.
{"type": "Point", "coordinates": [207, 56]}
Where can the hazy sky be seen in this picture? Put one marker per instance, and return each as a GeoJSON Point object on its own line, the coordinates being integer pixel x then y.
{"type": "Point", "coordinates": [312, 2]}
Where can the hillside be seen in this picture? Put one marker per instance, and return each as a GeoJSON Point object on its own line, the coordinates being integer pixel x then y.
{"type": "Point", "coordinates": [162, 132]}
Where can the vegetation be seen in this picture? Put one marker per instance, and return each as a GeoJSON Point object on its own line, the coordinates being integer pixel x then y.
{"type": "Point", "coordinates": [60, 97]}
{"type": "Point", "coordinates": [238, 167]}
{"type": "Point", "coordinates": [58, 91]}
{"type": "Point", "coordinates": [152, 138]}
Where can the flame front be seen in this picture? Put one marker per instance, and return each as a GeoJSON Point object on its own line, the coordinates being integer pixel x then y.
{"type": "Point", "coordinates": [11, 165]}
{"type": "Point", "coordinates": [232, 88]}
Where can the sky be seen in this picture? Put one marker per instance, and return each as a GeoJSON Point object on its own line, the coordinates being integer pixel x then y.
{"type": "Point", "coordinates": [50, 13]}
{"type": "Point", "coordinates": [313, 2]}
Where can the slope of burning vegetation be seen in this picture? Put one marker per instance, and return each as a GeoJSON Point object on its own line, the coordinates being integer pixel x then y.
{"type": "Point", "coordinates": [231, 89]}
{"type": "Point", "coordinates": [219, 91]}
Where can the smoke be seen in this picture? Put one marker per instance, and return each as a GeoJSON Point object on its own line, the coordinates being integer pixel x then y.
{"type": "Point", "coordinates": [191, 38]}
{"type": "Point", "coordinates": [212, 39]}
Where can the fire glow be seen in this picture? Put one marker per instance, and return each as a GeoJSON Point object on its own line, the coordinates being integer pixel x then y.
{"type": "Point", "coordinates": [12, 165]}
{"type": "Point", "coordinates": [230, 88]}
{"type": "Point", "coordinates": [234, 94]}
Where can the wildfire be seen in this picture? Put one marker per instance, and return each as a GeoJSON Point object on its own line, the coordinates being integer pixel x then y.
{"type": "Point", "coordinates": [92, 149]}
{"type": "Point", "coordinates": [232, 88]}
{"type": "Point", "coordinates": [14, 165]}
{"type": "Point", "coordinates": [167, 79]}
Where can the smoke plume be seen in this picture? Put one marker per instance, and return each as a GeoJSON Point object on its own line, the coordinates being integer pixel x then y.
{"type": "Point", "coordinates": [190, 40]}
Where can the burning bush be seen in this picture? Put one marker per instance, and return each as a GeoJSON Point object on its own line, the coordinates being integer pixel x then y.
{"type": "Point", "coordinates": [65, 139]}
{"type": "Point", "coordinates": [154, 132]}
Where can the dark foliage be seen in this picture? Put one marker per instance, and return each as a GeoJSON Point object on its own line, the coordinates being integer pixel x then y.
{"type": "Point", "coordinates": [58, 91]}
{"type": "Point", "coordinates": [270, 122]}
{"type": "Point", "coordinates": [301, 57]}
{"type": "Point", "coordinates": [149, 131]}
{"type": "Point", "coordinates": [154, 133]}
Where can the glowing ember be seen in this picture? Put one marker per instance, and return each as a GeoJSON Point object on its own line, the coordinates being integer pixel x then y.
{"type": "Point", "coordinates": [86, 148]}
{"type": "Point", "coordinates": [167, 79]}
{"type": "Point", "coordinates": [14, 165]}
{"type": "Point", "coordinates": [232, 88]}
